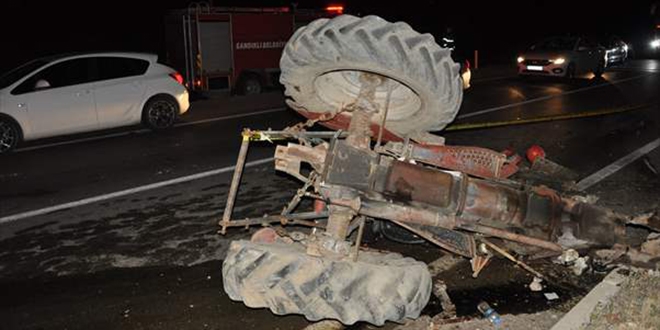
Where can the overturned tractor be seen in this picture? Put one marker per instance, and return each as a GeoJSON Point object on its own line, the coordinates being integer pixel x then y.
{"type": "Point", "coordinates": [382, 87]}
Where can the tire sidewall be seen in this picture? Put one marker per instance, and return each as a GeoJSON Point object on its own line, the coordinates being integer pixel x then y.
{"type": "Point", "coordinates": [146, 118]}
{"type": "Point", "coordinates": [372, 44]}
{"type": "Point", "coordinates": [244, 84]}
{"type": "Point", "coordinates": [17, 135]}
{"type": "Point", "coordinates": [306, 81]}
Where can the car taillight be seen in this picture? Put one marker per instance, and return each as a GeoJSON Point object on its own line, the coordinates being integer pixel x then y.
{"type": "Point", "coordinates": [177, 76]}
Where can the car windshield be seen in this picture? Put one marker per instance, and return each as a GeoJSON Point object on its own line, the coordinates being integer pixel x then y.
{"type": "Point", "coordinates": [19, 72]}
{"type": "Point", "coordinates": [556, 44]}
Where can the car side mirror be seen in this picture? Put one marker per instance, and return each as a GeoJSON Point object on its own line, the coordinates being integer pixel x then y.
{"type": "Point", "coordinates": [41, 84]}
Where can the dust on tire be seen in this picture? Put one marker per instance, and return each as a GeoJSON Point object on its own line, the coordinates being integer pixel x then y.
{"type": "Point", "coordinates": [379, 287]}
{"type": "Point", "coordinates": [321, 59]}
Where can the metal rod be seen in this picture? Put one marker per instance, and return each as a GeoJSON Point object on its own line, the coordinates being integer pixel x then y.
{"type": "Point", "coordinates": [233, 189]}
{"type": "Point", "coordinates": [257, 135]}
{"type": "Point", "coordinates": [185, 49]}
{"type": "Point", "coordinates": [299, 194]}
{"type": "Point", "coordinates": [431, 238]}
{"type": "Point", "coordinates": [358, 241]}
{"type": "Point", "coordinates": [512, 258]}
{"type": "Point", "coordinates": [290, 219]}
{"type": "Point", "coordinates": [491, 231]}
{"type": "Point", "coordinates": [387, 108]}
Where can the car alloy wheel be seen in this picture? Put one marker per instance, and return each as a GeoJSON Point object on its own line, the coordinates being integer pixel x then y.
{"type": "Point", "coordinates": [161, 114]}
{"type": "Point", "coordinates": [9, 136]}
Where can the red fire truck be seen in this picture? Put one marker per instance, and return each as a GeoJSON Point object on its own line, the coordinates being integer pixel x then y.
{"type": "Point", "coordinates": [232, 48]}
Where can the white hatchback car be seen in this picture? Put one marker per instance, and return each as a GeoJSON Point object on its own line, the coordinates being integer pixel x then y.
{"type": "Point", "coordinates": [78, 93]}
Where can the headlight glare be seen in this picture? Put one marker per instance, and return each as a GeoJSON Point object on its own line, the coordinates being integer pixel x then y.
{"type": "Point", "coordinates": [559, 60]}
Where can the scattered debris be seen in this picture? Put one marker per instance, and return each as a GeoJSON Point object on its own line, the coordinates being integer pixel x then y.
{"type": "Point", "coordinates": [605, 257]}
{"type": "Point", "coordinates": [568, 257]}
{"type": "Point", "coordinates": [649, 219]}
{"type": "Point", "coordinates": [448, 307]}
{"type": "Point", "coordinates": [536, 284]}
{"type": "Point", "coordinates": [641, 259]}
{"type": "Point", "coordinates": [490, 314]}
{"type": "Point", "coordinates": [580, 265]}
{"type": "Point", "coordinates": [651, 247]}
{"type": "Point", "coordinates": [551, 296]}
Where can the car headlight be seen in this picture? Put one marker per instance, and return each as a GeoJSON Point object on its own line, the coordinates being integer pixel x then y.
{"type": "Point", "coordinates": [520, 59]}
{"type": "Point", "coordinates": [559, 60]}
{"type": "Point", "coordinates": [655, 43]}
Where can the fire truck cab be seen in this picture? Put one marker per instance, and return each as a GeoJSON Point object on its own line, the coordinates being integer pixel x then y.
{"type": "Point", "coordinates": [220, 48]}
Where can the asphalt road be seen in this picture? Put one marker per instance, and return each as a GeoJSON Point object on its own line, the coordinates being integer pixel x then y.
{"type": "Point", "coordinates": [176, 225]}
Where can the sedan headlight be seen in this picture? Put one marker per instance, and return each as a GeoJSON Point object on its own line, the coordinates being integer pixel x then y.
{"type": "Point", "coordinates": [655, 43]}
{"type": "Point", "coordinates": [559, 60]}
{"type": "Point", "coordinates": [520, 59]}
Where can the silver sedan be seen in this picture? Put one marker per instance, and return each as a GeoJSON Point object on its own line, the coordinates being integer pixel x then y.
{"type": "Point", "coordinates": [563, 57]}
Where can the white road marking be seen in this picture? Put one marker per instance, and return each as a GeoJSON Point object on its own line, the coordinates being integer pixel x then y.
{"type": "Point", "coordinates": [129, 191]}
{"type": "Point", "coordinates": [617, 165]}
{"type": "Point", "coordinates": [144, 130]}
{"type": "Point", "coordinates": [547, 97]}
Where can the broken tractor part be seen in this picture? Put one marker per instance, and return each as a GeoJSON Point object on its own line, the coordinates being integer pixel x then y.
{"type": "Point", "coordinates": [375, 80]}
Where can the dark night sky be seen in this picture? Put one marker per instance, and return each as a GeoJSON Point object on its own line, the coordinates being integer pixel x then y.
{"type": "Point", "coordinates": [499, 29]}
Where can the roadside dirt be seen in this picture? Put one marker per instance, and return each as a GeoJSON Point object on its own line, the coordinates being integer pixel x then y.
{"type": "Point", "coordinates": [635, 307]}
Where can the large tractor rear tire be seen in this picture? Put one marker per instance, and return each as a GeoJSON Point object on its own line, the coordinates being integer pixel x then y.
{"type": "Point", "coordinates": [282, 277]}
{"type": "Point", "coordinates": [322, 63]}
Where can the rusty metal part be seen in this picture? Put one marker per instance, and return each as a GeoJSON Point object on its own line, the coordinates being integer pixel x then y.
{"type": "Point", "coordinates": [407, 182]}
{"type": "Point", "coordinates": [319, 205]}
{"type": "Point", "coordinates": [649, 220]}
{"type": "Point", "coordinates": [293, 132]}
{"type": "Point", "coordinates": [404, 213]}
{"type": "Point", "coordinates": [236, 179]}
{"type": "Point", "coordinates": [359, 134]}
{"type": "Point", "coordinates": [453, 245]}
{"type": "Point", "coordinates": [299, 194]}
{"type": "Point", "coordinates": [349, 166]}
{"type": "Point", "coordinates": [323, 245]}
{"type": "Point", "coordinates": [288, 158]}
{"type": "Point", "coordinates": [512, 258]}
{"type": "Point", "coordinates": [479, 162]}
{"type": "Point", "coordinates": [265, 235]}
{"type": "Point", "coordinates": [379, 140]}
{"type": "Point", "coordinates": [478, 263]}
{"type": "Point", "coordinates": [440, 291]}
{"type": "Point", "coordinates": [487, 200]}
{"type": "Point", "coordinates": [358, 240]}
{"type": "Point", "coordinates": [339, 220]}
{"type": "Point", "coordinates": [289, 219]}
{"type": "Point", "coordinates": [597, 225]}
{"type": "Point", "coordinates": [341, 121]}
{"type": "Point", "coordinates": [364, 107]}
{"type": "Point", "coordinates": [501, 233]}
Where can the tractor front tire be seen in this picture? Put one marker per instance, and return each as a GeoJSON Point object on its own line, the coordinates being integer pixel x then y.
{"type": "Point", "coordinates": [379, 287]}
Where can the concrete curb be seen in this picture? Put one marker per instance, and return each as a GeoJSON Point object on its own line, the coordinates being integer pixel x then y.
{"type": "Point", "coordinates": [580, 314]}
